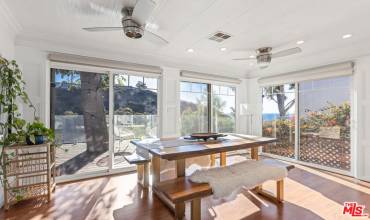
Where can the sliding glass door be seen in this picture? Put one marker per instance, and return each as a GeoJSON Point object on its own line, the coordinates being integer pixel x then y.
{"type": "Point", "coordinates": [323, 131]}
{"type": "Point", "coordinates": [325, 117]}
{"type": "Point", "coordinates": [278, 119]}
{"type": "Point", "coordinates": [81, 117]}
{"type": "Point", "coordinates": [135, 113]}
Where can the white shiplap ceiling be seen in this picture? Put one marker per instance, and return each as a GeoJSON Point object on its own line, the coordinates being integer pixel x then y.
{"type": "Point", "coordinates": [189, 23]}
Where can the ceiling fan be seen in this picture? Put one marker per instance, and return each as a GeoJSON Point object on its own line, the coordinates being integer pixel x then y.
{"type": "Point", "coordinates": [134, 22]}
{"type": "Point", "coordinates": [264, 55]}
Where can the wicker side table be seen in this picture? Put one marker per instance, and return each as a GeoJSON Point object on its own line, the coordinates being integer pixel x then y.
{"type": "Point", "coordinates": [30, 172]}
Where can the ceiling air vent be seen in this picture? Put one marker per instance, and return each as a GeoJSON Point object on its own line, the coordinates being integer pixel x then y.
{"type": "Point", "coordinates": [219, 36]}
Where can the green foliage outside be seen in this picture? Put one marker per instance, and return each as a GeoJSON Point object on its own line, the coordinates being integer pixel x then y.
{"type": "Point", "coordinates": [194, 117]}
{"type": "Point", "coordinates": [329, 116]}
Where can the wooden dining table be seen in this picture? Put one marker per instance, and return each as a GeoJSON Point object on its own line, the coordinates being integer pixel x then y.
{"type": "Point", "coordinates": [179, 149]}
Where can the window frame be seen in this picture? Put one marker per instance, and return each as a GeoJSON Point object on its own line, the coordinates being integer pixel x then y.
{"type": "Point", "coordinates": [209, 98]}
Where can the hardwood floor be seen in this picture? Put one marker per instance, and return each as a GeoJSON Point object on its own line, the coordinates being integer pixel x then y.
{"type": "Point", "coordinates": [309, 194]}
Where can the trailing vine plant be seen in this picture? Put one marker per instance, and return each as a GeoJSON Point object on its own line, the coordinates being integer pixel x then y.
{"type": "Point", "coordinates": [12, 91]}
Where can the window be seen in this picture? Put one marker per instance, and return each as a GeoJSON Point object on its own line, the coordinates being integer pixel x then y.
{"type": "Point", "coordinates": [323, 128]}
{"type": "Point", "coordinates": [223, 109]}
{"type": "Point", "coordinates": [193, 107]}
{"type": "Point", "coordinates": [206, 107]}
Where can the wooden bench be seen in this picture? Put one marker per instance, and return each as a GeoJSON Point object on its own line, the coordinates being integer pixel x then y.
{"type": "Point", "coordinates": [182, 189]}
{"type": "Point", "coordinates": [142, 164]}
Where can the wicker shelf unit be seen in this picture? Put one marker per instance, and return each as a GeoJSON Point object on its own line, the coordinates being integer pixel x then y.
{"type": "Point", "coordinates": [30, 172]}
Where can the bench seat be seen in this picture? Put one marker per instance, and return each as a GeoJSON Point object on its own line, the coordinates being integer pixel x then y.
{"type": "Point", "coordinates": [142, 168]}
{"type": "Point", "coordinates": [182, 190]}
{"type": "Point", "coordinates": [136, 159]}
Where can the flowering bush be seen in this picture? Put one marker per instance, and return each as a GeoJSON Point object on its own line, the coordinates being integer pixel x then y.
{"type": "Point", "coordinates": [329, 116]}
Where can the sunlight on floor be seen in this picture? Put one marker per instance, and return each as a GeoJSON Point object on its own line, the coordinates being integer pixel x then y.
{"type": "Point", "coordinates": [335, 179]}
{"type": "Point", "coordinates": [306, 198]}
{"type": "Point", "coordinates": [227, 210]}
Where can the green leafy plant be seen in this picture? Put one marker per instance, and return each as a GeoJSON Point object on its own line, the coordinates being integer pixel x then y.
{"type": "Point", "coordinates": [37, 128]}
{"type": "Point", "coordinates": [12, 126]}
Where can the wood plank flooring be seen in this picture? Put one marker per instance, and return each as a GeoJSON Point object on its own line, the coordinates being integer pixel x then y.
{"type": "Point", "coordinates": [309, 193]}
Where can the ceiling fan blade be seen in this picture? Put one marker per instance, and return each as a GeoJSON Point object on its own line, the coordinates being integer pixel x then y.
{"type": "Point", "coordinates": [99, 29]}
{"type": "Point", "coordinates": [247, 58]}
{"type": "Point", "coordinates": [143, 10]}
{"type": "Point", "coordinates": [287, 52]}
{"type": "Point", "coordinates": [154, 38]}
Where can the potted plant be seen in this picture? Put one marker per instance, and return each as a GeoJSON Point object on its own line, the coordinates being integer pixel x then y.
{"type": "Point", "coordinates": [36, 133]}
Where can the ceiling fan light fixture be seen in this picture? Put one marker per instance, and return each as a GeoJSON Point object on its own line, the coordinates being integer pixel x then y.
{"type": "Point", "coordinates": [131, 28]}
{"type": "Point", "coordinates": [263, 60]}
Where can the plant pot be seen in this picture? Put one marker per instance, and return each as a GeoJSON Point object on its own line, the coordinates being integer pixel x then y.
{"type": "Point", "coordinates": [39, 139]}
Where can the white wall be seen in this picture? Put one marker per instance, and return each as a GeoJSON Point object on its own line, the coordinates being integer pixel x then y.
{"type": "Point", "coordinates": [7, 33]}
{"type": "Point", "coordinates": [170, 99]}
{"type": "Point", "coordinates": [254, 102]}
{"type": "Point", "coordinates": [36, 73]}
{"type": "Point", "coordinates": [7, 38]}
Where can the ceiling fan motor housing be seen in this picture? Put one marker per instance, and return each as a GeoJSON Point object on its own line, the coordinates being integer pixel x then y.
{"type": "Point", "coordinates": [131, 28]}
{"type": "Point", "coordinates": [264, 57]}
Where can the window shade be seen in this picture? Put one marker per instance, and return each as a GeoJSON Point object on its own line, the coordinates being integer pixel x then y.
{"type": "Point", "coordinates": [333, 70]}
{"type": "Point", "coordinates": [98, 62]}
{"type": "Point", "coordinates": [206, 76]}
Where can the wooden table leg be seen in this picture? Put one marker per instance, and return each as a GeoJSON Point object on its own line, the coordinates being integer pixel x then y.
{"type": "Point", "coordinates": [254, 156]}
{"type": "Point", "coordinates": [146, 175]}
{"type": "Point", "coordinates": [196, 209]}
{"type": "Point", "coordinates": [254, 153]}
{"type": "Point", "coordinates": [180, 172]}
{"type": "Point", "coordinates": [156, 178]}
{"type": "Point", "coordinates": [156, 169]}
{"type": "Point", "coordinates": [223, 159]}
{"type": "Point", "coordinates": [280, 190]}
{"type": "Point", "coordinates": [180, 168]}
{"type": "Point", "coordinates": [213, 160]}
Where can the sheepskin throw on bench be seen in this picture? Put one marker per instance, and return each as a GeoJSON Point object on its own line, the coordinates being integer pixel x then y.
{"type": "Point", "coordinates": [226, 180]}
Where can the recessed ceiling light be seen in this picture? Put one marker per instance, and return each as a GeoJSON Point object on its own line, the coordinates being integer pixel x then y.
{"type": "Point", "coordinates": [346, 36]}
{"type": "Point", "coordinates": [223, 49]}
{"type": "Point", "coordinates": [300, 42]}
{"type": "Point", "coordinates": [252, 56]}
{"type": "Point", "coordinates": [251, 64]}
{"type": "Point", "coordinates": [190, 50]}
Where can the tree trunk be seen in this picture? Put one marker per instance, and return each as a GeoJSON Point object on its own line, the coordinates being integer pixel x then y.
{"type": "Point", "coordinates": [281, 104]}
{"type": "Point", "coordinates": [280, 96]}
{"type": "Point", "coordinates": [95, 124]}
